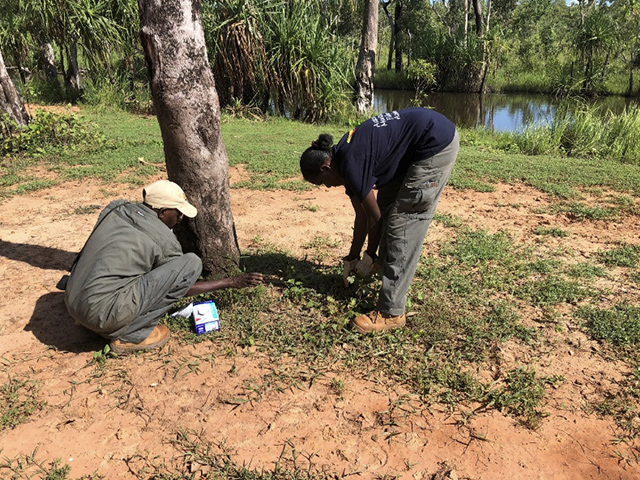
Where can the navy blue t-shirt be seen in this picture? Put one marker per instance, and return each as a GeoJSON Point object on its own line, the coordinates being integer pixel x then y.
{"type": "Point", "coordinates": [384, 146]}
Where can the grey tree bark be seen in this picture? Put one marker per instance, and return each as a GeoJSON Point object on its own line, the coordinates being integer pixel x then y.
{"type": "Point", "coordinates": [49, 61]}
{"type": "Point", "coordinates": [188, 111]}
{"type": "Point", "coordinates": [366, 66]}
{"type": "Point", "coordinates": [72, 75]}
{"type": "Point", "coordinates": [10, 100]}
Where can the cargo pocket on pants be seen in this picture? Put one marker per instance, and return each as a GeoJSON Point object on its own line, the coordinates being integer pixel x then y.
{"type": "Point", "coordinates": [419, 197]}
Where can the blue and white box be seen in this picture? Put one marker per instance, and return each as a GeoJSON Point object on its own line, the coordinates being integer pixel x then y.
{"type": "Point", "coordinates": [205, 316]}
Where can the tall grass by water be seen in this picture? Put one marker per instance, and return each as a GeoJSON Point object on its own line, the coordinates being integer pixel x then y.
{"type": "Point", "coordinates": [584, 131]}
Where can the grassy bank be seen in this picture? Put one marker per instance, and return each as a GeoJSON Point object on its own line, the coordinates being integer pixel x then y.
{"type": "Point", "coordinates": [115, 145]}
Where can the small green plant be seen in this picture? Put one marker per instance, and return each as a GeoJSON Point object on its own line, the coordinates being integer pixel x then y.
{"type": "Point", "coordinates": [623, 404]}
{"type": "Point", "coordinates": [338, 387]}
{"type": "Point", "coordinates": [545, 266]}
{"type": "Point", "coordinates": [18, 400]}
{"type": "Point", "coordinates": [448, 220]}
{"type": "Point", "coordinates": [473, 247]}
{"type": "Point", "coordinates": [196, 452]}
{"type": "Point", "coordinates": [552, 232]}
{"type": "Point", "coordinates": [522, 395]}
{"type": "Point", "coordinates": [86, 209]}
{"type": "Point", "coordinates": [580, 211]}
{"type": "Point", "coordinates": [560, 190]}
{"type": "Point", "coordinates": [310, 207]}
{"type": "Point", "coordinates": [618, 326]}
{"type": "Point", "coordinates": [100, 357]}
{"type": "Point", "coordinates": [28, 466]}
{"type": "Point", "coordinates": [623, 256]}
{"type": "Point", "coordinates": [586, 270]}
{"type": "Point", "coordinates": [321, 242]}
{"type": "Point", "coordinates": [552, 291]}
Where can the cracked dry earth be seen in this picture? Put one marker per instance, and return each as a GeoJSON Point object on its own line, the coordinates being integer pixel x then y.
{"type": "Point", "coordinates": [112, 425]}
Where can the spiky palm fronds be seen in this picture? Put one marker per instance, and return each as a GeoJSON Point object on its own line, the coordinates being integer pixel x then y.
{"type": "Point", "coordinates": [279, 55]}
{"type": "Point", "coordinates": [238, 57]}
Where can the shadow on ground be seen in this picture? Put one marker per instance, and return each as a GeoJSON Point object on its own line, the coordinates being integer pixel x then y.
{"type": "Point", "coordinates": [51, 324]}
{"type": "Point", "coordinates": [37, 256]}
{"type": "Point", "coordinates": [280, 269]}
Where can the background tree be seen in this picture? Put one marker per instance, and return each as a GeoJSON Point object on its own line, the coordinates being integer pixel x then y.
{"type": "Point", "coordinates": [10, 101]}
{"type": "Point", "coordinates": [366, 65]}
{"type": "Point", "coordinates": [188, 111]}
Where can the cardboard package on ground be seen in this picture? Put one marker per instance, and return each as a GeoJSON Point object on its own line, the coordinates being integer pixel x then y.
{"type": "Point", "coordinates": [205, 316]}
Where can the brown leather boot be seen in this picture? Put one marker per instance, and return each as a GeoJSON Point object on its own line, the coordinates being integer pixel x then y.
{"type": "Point", "coordinates": [376, 321]}
{"type": "Point", "coordinates": [156, 339]}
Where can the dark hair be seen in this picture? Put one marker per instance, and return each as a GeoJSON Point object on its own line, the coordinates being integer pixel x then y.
{"type": "Point", "coordinates": [313, 157]}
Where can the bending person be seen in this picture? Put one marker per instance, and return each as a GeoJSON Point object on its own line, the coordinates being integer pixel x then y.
{"type": "Point", "coordinates": [408, 155]}
{"type": "Point", "coordinates": [132, 269]}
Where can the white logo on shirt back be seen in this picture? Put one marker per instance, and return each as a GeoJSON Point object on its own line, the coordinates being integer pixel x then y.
{"type": "Point", "coordinates": [382, 119]}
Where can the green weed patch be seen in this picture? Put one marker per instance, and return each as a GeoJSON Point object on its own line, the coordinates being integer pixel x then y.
{"type": "Point", "coordinates": [618, 326]}
{"type": "Point", "coordinates": [18, 400]}
{"type": "Point", "coordinates": [624, 256]}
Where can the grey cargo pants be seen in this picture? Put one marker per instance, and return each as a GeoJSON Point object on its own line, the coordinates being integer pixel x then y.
{"type": "Point", "coordinates": [161, 288]}
{"type": "Point", "coordinates": [407, 205]}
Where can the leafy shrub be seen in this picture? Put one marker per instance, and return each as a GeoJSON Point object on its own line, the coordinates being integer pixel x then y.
{"type": "Point", "coordinates": [47, 132]}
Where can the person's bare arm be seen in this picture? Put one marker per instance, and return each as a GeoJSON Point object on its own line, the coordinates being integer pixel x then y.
{"type": "Point", "coordinates": [374, 223]}
{"type": "Point", "coordinates": [359, 230]}
{"type": "Point", "coordinates": [239, 281]}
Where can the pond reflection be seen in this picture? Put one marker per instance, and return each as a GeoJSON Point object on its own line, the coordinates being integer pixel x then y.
{"type": "Point", "coordinates": [499, 112]}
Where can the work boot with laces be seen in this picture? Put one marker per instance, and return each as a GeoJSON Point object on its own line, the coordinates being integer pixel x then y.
{"type": "Point", "coordinates": [156, 339]}
{"type": "Point", "coordinates": [376, 321]}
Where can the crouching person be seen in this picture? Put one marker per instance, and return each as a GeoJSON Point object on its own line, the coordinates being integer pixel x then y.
{"type": "Point", "coordinates": [132, 269]}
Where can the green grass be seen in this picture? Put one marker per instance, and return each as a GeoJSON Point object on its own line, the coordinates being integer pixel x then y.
{"type": "Point", "coordinates": [551, 231]}
{"type": "Point", "coordinates": [623, 256]}
{"type": "Point", "coordinates": [18, 401]}
{"type": "Point", "coordinates": [579, 211]}
{"type": "Point", "coordinates": [196, 454]}
{"type": "Point", "coordinates": [618, 326]}
{"type": "Point", "coordinates": [584, 131]}
{"type": "Point", "coordinates": [28, 466]}
{"type": "Point", "coordinates": [131, 150]}
{"type": "Point", "coordinates": [522, 396]}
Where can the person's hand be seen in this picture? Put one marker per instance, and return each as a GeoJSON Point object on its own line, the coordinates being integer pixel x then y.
{"type": "Point", "coordinates": [246, 280]}
{"type": "Point", "coordinates": [348, 267]}
{"type": "Point", "coordinates": [366, 266]}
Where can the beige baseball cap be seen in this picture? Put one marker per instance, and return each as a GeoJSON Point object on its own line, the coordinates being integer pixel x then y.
{"type": "Point", "coordinates": [166, 194]}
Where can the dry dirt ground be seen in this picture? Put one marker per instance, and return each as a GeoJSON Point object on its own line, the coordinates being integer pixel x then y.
{"type": "Point", "coordinates": [117, 423]}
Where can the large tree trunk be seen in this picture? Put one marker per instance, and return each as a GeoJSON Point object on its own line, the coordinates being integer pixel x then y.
{"type": "Point", "coordinates": [10, 100]}
{"type": "Point", "coordinates": [188, 110]}
{"type": "Point", "coordinates": [366, 66]}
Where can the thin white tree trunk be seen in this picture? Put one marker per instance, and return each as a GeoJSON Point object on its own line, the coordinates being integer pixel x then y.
{"type": "Point", "coordinates": [188, 111]}
{"type": "Point", "coordinates": [49, 61]}
{"type": "Point", "coordinates": [10, 100]}
{"type": "Point", "coordinates": [366, 66]}
{"type": "Point", "coordinates": [73, 73]}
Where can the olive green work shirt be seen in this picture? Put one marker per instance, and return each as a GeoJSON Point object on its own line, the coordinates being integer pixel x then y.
{"type": "Point", "coordinates": [104, 289]}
